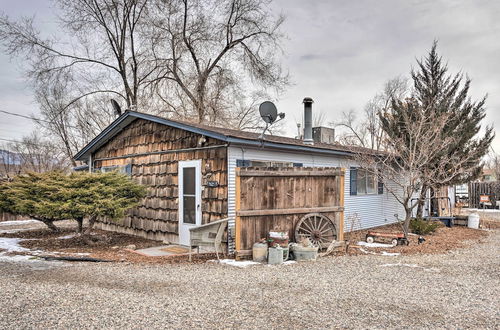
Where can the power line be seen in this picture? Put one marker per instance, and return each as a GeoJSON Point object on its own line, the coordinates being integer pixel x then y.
{"type": "Point", "coordinates": [34, 118]}
{"type": "Point", "coordinates": [23, 116]}
{"type": "Point", "coordinates": [21, 142]}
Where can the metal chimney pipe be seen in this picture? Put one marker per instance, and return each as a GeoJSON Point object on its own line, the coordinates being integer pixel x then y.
{"type": "Point", "coordinates": [308, 135]}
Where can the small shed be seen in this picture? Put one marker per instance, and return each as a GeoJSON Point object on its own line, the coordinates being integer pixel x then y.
{"type": "Point", "coordinates": [197, 174]}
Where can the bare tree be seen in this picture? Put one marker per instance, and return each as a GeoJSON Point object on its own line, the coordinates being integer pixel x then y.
{"type": "Point", "coordinates": [101, 47]}
{"type": "Point", "coordinates": [413, 141]}
{"type": "Point", "coordinates": [367, 131]}
{"type": "Point", "coordinates": [32, 154]}
{"type": "Point", "coordinates": [188, 59]}
{"type": "Point", "coordinates": [209, 51]}
{"type": "Point", "coordinates": [354, 132]}
{"type": "Point", "coordinates": [10, 162]}
{"type": "Point", "coordinates": [76, 128]}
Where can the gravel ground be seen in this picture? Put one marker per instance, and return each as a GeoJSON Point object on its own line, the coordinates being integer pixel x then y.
{"type": "Point", "coordinates": [460, 289]}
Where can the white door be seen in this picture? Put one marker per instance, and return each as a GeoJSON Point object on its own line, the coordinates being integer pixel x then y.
{"type": "Point", "coordinates": [189, 198]}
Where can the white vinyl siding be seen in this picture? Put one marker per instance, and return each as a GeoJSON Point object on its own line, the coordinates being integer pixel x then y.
{"type": "Point", "coordinates": [370, 210]}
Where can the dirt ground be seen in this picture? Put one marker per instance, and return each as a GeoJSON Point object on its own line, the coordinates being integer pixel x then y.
{"type": "Point", "coordinates": [116, 247]}
{"type": "Point", "coordinates": [100, 244]}
{"type": "Point", "coordinates": [442, 240]}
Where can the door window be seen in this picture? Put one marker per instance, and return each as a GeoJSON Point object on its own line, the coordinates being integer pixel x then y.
{"type": "Point", "coordinates": [189, 194]}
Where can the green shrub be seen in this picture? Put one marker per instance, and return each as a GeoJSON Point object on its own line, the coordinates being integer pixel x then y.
{"type": "Point", "coordinates": [55, 196]}
{"type": "Point", "coordinates": [423, 227]}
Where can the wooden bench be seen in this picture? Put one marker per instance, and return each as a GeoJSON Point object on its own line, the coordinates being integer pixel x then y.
{"type": "Point", "coordinates": [209, 234]}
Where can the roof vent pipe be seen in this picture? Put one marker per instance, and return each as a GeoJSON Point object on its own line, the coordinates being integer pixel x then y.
{"type": "Point", "coordinates": [308, 137]}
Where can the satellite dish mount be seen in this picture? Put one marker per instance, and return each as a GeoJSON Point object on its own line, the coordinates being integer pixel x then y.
{"type": "Point", "coordinates": [269, 114]}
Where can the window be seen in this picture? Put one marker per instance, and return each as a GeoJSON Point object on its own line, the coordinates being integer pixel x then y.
{"type": "Point", "coordinates": [263, 163]}
{"type": "Point", "coordinates": [363, 182]}
{"type": "Point", "coordinates": [125, 169]}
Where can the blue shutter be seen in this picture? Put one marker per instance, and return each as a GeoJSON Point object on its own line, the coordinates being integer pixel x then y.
{"type": "Point", "coordinates": [298, 165]}
{"type": "Point", "coordinates": [128, 169]}
{"type": "Point", "coordinates": [242, 163]}
{"type": "Point", "coordinates": [380, 187]}
{"type": "Point", "coordinates": [353, 181]}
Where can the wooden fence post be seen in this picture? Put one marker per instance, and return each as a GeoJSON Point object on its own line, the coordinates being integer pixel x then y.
{"type": "Point", "coordinates": [237, 232]}
{"type": "Point", "coordinates": [341, 203]}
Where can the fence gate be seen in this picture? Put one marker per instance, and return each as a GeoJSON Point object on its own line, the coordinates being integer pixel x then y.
{"type": "Point", "coordinates": [269, 198]}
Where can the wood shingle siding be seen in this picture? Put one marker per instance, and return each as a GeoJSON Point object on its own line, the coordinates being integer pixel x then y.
{"type": "Point", "coordinates": [157, 215]}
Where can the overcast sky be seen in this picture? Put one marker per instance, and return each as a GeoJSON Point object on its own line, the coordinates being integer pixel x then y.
{"type": "Point", "coordinates": [340, 53]}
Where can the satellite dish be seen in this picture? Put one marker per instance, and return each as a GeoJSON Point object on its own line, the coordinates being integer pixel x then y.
{"type": "Point", "coordinates": [268, 112]}
{"type": "Point", "coordinates": [116, 107]}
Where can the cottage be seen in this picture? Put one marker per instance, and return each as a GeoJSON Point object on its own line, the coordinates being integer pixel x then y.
{"type": "Point", "coordinates": [191, 171]}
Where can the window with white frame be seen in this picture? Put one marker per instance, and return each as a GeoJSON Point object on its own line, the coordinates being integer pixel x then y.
{"type": "Point", "coordinates": [363, 182]}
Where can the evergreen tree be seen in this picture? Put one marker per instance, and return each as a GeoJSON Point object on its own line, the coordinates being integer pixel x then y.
{"type": "Point", "coordinates": [433, 136]}
{"type": "Point", "coordinates": [94, 195]}
{"type": "Point", "coordinates": [36, 195]}
{"type": "Point", "coordinates": [55, 196]}
{"type": "Point", "coordinates": [439, 93]}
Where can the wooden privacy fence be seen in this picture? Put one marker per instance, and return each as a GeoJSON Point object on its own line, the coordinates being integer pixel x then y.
{"type": "Point", "coordinates": [4, 216]}
{"type": "Point", "coordinates": [276, 198]}
{"type": "Point", "coordinates": [476, 189]}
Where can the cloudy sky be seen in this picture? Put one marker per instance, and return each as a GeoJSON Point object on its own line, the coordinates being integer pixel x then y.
{"type": "Point", "coordinates": [340, 53]}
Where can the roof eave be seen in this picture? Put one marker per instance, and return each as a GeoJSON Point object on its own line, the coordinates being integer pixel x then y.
{"type": "Point", "coordinates": [288, 147]}
{"type": "Point", "coordinates": [129, 116]}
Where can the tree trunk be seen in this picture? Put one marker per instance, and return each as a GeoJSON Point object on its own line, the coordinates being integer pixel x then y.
{"type": "Point", "coordinates": [80, 225]}
{"type": "Point", "coordinates": [406, 224]}
{"type": "Point", "coordinates": [49, 224]}
{"type": "Point", "coordinates": [91, 225]}
{"type": "Point", "coordinates": [421, 201]}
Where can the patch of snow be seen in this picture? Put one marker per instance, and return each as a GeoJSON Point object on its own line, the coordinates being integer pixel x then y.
{"type": "Point", "coordinates": [11, 245]}
{"type": "Point", "coordinates": [18, 222]}
{"type": "Point", "coordinates": [15, 258]}
{"type": "Point", "coordinates": [375, 245]}
{"type": "Point", "coordinates": [235, 263]}
{"type": "Point", "coordinates": [67, 236]}
{"type": "Point", "coordinates": [13, 231]}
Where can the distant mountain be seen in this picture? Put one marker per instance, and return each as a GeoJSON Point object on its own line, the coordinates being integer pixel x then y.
{"type": "Point", "coordinates": [9, 157]}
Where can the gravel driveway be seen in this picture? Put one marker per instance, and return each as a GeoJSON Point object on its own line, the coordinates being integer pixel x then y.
{"type": "Point", "coordinates": [458, 290]}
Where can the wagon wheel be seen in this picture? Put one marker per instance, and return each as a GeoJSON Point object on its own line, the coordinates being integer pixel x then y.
{"type": "Point", "coordinates": [320, 230]}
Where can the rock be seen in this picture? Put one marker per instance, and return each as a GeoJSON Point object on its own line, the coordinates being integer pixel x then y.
{"type": "Point", "coordinates": [115, 247]}
{"type": "Point", "coordinates": [131, 247]}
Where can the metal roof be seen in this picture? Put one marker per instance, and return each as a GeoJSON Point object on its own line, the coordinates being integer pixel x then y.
{"type": "Point", "coordinates": [231, 136]}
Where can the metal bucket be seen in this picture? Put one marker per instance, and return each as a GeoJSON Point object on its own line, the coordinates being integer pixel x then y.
{"type": "Point", "coordinates": [259, 252]}
{"type": "Point", "coordinates": [302, 253]}
{"type": "Point", "coordinates": [275, 256]}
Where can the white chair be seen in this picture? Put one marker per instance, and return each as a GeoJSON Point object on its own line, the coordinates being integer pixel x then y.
{"type": "Point", "coordinates": [209, 234]}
